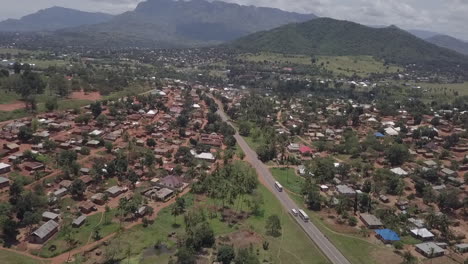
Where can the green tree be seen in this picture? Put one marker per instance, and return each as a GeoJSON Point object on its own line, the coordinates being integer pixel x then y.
{"type": "Point", "coordinates": [186, 256]}
{"type": "Point", "coordinates": [273, 225]}
{"type": "Point", "coordinates": [78, 188]}
{"type": "Point", "coordinates": [397, 154]}
{"type": "Point", "coordinates": [96, 109]}
{"type": "Point", "coordinates": [178, 208]}
{"type": "Point", "coordinates": [58, 84]}
{"type": "Point", "coordinates": [226, 254]}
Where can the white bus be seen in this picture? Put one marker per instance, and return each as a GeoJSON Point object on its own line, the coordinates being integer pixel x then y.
{"type": "Point", "coordinates": [279, 186]}
{"type": "Point", "coordinates": [303, 215]}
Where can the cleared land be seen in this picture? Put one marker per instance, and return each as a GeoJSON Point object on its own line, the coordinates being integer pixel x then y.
{"type": "Point", "coordinates": [8, 257]}
{"type": "Point", "coordinates": [292, 247]}
{"type": "Point", "coordinates": [340, 65]}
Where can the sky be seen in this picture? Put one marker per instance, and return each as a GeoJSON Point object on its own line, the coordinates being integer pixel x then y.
{"type": "Point", "coordinates": [443, 16]}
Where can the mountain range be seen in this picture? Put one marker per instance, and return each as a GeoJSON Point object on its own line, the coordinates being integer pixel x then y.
{"type": "Point", "coordinates": [170, 23]}
{"type": "Point", "coordinates": [326, 36]}
{"type": "Point", "coordinates": [53, 18]}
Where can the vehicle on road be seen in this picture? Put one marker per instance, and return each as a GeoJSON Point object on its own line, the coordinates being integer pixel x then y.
{"type": "Point", "coordinates": [294, 212]}
{"type": "Point", "coordinates": [279, 187]}
{"type": "Point", "coordinates": [303, 215]}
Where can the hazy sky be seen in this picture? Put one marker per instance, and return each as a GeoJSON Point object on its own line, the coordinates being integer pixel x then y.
{"type": "Point", "coordinates": [445, 16]}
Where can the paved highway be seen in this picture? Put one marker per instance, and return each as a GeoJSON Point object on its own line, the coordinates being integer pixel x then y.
{"type": "Point", "coordinates": [332, 253]}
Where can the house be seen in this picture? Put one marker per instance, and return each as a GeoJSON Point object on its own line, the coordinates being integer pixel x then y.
{"type": "Point", "coordinates": [399, 171]}
{"type": "Point", "coordinates": [301, 169]}
{"type": "Point", "coordinates": [164, 194]}
{"type": "Point", "coordinates": [11, 147]}
{"type": "Point", "coordinates": [345, 190]}
{"type": "Point", "coordinates": [115, 191]}
{"type": "Point", "coordinates": [172, 182]}
{"type": "Point", "coordinates": [86, 179]}
{"type": "Point", "coordinates": [448, 172]}
{"type": "Point", "coordinates": [46, 216]}
{"type": "Point", "coordinates": [293, 147]}
{"type": "Point", "coordinates": [430, 250]}
{"type": "Point", "coordinates": [93, 143]}
{"type": "Point", "coordinates": [98, 198]}
{"type": "Point", "coordinates": [65, 184]}
{"type": "Point", "coordinates": [4, 182]}
{"type": "Point", "coordinates": [305, 150]}
{"type": "Point", "coordinates": [387, 235]}
{"type": "Point", "coordinates": [418, 223]}
{"type": "Point", "coordinates": [33, 166]}
{"type": "Point", "coordinates": [60, 192]}
{"type": "Point", "coordinates": [46, 231]}
{"type": "Point", "coordinates": [141, 211]}
{"type": "Point", "coordinates": [384, 198]}
{"type": "Point", "coordinates": [87, 207]}
{"type": "Point", "coordinates": [422, 233]}
{"type": "Point", "coordinates": [212, 139]}
{"type": "Point", "coordinates": [77, 222]}
{"type": "Point", "coordinates": [205, 156]}
{"type": "Point", "coordinates": [4, 168]}
{"type": "Point", "coordinates": [371, 221]}
{"type": "Point", "coordinates": [461, 248]}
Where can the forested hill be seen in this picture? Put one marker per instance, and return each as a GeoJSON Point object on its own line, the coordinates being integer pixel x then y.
{"type": "Point", "coordinates": [326, 36]}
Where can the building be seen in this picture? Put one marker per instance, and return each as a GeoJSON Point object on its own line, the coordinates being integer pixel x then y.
{"type": "Point", "coordinates": [387, 235]}
{"type": "Point", "coordinates": [46, 231]}
{"type": "Point", "coordinates": [46, 216]}
{"type": "Point", "coordinates": [399, 171]}
{"type": "Point", "coordinates": [87, 207]}
{"type": "Point", "coordinates": [461, 248]}
{"type": "Point", "coordinates": [164, 194]}
{"type": "Point", "coordinates": [4, 168]}
{"type": "Point", "coordinates": [33, 166]}
{"type": "Point", "coordinates": [205, 156]}
{"type": "Point", "coordinates": [422, 233]}
{"type": "Point", "coordinates": [305, 150]}
{"type": "Point", "coordinates": [212, 139]}
{"type": "Point", "coordinates": [4, 182]}
{"type": "Point", "coordinates": [371, 221]}
{"type": "Point", "coordinates": [61, 192]}
{"type": "Point", "coordinates": [115, 191]}
{"type": "Point", "coordinates": [172, 182]}
{"type": "Point", "coordinates": [98, 198]}
{"type": "Point", "coordinates": [79, 221]}
{"type": "Point", "coordinates": [293, 147]}
{"type": "Point", "coordinates": [345, 190]}
{"type": "Point", "coordinates": [430, 250]}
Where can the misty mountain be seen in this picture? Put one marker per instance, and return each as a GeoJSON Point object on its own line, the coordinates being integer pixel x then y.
{"type": "Point", "coordinates": [326, 36]}
{"type": "Point", "coordinates": [52, 19]}
{"type": "Point", "coordinates": [168, 23]}
{"type": "Point", "coordinates": [449, 43]}
{"type": "Point", "coordinates": [423, 34]}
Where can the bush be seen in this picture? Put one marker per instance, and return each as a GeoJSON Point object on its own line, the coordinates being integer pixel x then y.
{"type": "Point", "coordinates": [85, 151]}
{"type": "Point", "coordinates": [352, 221]}
{"type": "Point", "coordinates": [398, 245]}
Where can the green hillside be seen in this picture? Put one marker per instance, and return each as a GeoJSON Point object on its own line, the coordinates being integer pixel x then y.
{"type": "Point", "coordinates": [330, 37]}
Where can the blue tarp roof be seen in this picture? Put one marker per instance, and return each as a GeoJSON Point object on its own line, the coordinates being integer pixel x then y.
{"type": "Point", "coordinates": [388, 234]}
{"type": "Point", "coordinates": [378, 134]}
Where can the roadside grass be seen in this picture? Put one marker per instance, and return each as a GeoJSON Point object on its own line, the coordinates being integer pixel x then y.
{"type": "Point", "coordinates": [288, 178]}
{"type": "Point", "coordinates": [81, 234]}
{"type": "Point", "coordinates": [8, 257]}
{"type": "Point", "coordinates": [409, 240]}
{"type": "Point", "coordinates": [356, 249]}
{"type": "Point", "coordinates": [359, 65]}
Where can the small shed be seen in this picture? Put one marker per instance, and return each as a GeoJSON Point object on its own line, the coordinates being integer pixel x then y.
{"type": "Point", "coordinates": [79, 221]}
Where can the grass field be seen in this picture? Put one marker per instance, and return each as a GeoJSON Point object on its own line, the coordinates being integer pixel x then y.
{"type": "Point", "coordinates": [7, 257]}
{"type": "Point", "coordinates": [444, 89]}
{"type": "Point", "coordinates": [339, 65]}
{"type": "Point", "coordinates": [81, 235]}
{"type": "Point", "coordinates": [359, 65]}
{"type": "Point", "coordinates": [288, 178]}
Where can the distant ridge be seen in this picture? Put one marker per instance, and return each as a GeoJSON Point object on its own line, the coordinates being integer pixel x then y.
{"type": "Point", "coordinates": [53, 18]}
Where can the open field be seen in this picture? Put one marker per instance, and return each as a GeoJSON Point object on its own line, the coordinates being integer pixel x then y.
{"type": "Point", "coordinates": [81, 235]}
{"type": "Point", "coordinates": [8, 257]}
{"type": "Point", "coordinates": [359, 65]}
{"type": "Point", "coordinates": [339, 65]}
{"type": "Point", "coordinates": [288, 178]}
{"type": "Point", "coordinates": [444, 89]}
{"type": "Point", "coordinates": [277, 58]}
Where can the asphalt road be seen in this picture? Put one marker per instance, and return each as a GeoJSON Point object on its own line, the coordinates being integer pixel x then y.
{"type": "Point", "coordinates": [330, 251]}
